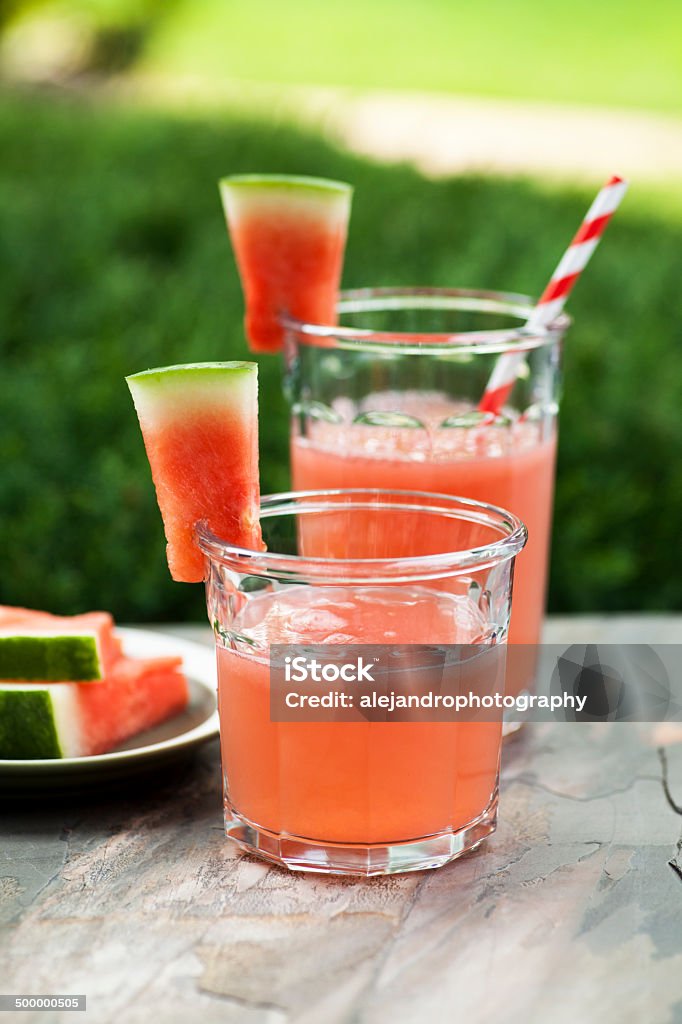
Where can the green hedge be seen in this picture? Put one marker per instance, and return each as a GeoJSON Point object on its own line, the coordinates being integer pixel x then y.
{"type": "Point", "coordinates": [114, 258]}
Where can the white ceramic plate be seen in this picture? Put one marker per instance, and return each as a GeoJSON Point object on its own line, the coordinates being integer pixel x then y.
{"type": "Point", "coordinates": [169, 741]}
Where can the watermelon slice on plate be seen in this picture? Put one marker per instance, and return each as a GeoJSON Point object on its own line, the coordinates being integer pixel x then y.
{"type": "Point", "coordinates": [200, 428]}
{"type": "Point", "coordinates": [58, 720]}
{"type": "Point", "coordinates": [289, 238]}
{"type": "Point", "coordinates": [98, 624]}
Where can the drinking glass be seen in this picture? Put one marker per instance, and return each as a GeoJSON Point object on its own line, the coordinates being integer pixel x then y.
{"type": "Point", "coordinates": [389, 397]}
{"type": "Point", "coordinates": [359, 566]}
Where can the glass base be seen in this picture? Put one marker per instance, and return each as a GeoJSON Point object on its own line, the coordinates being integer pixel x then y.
{"type": "Point", "coordinates": [299, 854]}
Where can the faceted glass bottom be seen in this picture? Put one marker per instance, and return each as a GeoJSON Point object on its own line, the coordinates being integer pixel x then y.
{"type": "Point", "coordinates": [300, 854]}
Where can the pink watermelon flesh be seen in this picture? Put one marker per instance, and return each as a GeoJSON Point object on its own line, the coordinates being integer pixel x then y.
{"type": "Point", "coordinates": [136, 695]}
{"type": "Point", "coordinates": [200, 429]}
{"type": "Point", "coordinates": [289, 238]}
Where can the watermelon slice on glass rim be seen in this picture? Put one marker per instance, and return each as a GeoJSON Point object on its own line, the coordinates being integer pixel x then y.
{"type": "Point", "coordinates": [289, 239]}
{"type": "Point", "coordinates": [199, 422]}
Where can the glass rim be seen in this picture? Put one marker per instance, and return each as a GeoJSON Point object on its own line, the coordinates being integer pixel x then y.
{"type": "Point", "coordinates": [513, 536]}
{"type": "Point", "coordinates": [367, 300]}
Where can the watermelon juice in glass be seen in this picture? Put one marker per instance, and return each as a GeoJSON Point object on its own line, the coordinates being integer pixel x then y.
{"type": "Point", "coordinates": [389, 398]}
{"type": "Point", "coordinates": [357, 567]}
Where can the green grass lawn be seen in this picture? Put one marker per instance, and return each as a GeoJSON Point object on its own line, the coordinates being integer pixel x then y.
{"type": "Point", "coordinates": [612, 53]}
{"type": "Point", "coordinates": [115, 259]}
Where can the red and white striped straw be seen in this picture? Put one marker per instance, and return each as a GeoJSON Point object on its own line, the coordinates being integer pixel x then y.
{"type": "Point", "coordinates": [560, 286]}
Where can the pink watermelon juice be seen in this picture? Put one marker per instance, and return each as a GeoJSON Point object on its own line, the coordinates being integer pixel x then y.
{"type": "Point", "coordinates": [351, 782]}
{"type": "Point", "coordinates": [510, 466]}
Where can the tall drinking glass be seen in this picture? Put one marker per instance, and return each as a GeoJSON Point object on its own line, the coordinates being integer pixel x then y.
{"type": "Point", "coordinates": [388, 398]}
{"type": "Point", "coordinates": [371, 567]}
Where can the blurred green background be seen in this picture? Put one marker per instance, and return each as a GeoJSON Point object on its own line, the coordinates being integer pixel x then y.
{"type": "Point", "coordinates": [114, 258]}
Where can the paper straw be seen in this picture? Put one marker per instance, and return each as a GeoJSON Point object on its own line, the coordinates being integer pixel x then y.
{"type": "Point", "coordinates": [560, 286]}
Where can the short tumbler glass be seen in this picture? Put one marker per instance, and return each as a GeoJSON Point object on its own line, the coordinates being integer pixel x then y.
{"type": "Point", "coordinates": [389, 567]}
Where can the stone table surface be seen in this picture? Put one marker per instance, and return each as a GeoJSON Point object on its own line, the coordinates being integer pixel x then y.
{"type": "Point", "coordinates": [571, 912]}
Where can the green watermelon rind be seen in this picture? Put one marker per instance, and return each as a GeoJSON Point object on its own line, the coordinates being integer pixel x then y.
{"type": "Point", "coordinates": [28, 725]}
{"type": "Point", "coordinates": [50, 658]}
{"type": "Point", "coordinates": [319, 187]}
{"type": "Point", "coordinates": [168, 393]}
{"type": "Point", "coordinates": [191, 374]}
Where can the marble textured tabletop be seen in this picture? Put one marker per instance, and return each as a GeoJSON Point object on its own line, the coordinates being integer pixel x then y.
{"type": "Point", "coordinates": [571, 913]}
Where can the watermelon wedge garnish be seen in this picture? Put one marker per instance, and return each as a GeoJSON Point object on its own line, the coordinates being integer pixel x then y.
{"type": "Point", "coordinates": [200, 428]}
{"type": "Point", "coordinates": [289, 238]}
